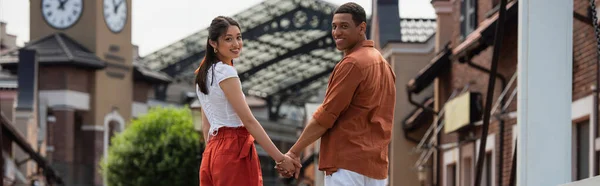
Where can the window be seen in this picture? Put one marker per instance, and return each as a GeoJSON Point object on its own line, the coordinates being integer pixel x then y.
{"type": "Point", "coordinates": [112, 130]}
{"type": "Point", "coordinates": [450, 167]}
{"type": "Point", "coordinates": [467, 174]}
{"type": "Point", "coordinates": [451, 175]}
{"type": "Point", "coordinates": [486, 175]}
{"type": "Point", "coordinates": [597, 163]}
{"type": "Point", "coordinates": [468, 17]}
{"type": "Point", "coordinates": [582, 137]}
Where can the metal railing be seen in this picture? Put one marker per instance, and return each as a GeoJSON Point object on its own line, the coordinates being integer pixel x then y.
{"type": "Point", "coordinates": [425, 146]}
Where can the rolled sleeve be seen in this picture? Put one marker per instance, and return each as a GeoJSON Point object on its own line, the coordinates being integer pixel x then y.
{"type": "Point", "coordinates": [341, 89]}
{"type": "Point", "coordinates": [324, 118]}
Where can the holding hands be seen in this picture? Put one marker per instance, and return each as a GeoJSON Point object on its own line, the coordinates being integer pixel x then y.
{"type": "Point", "coordinates": [289, 166]}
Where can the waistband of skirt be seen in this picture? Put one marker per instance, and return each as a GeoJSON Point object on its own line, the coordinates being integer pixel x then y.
{"type": "Point", "coordinates": [230, 132]}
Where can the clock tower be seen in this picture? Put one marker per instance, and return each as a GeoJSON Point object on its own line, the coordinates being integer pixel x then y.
{"type": "Point", "coordinates": [90, 104]}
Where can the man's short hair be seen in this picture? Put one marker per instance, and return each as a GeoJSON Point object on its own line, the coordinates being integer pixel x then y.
{"type": "Point", "coordinates": [357, 12]}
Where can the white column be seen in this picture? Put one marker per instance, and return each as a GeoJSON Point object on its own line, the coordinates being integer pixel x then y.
{"type": "Point", "coordinates": [544, 99]}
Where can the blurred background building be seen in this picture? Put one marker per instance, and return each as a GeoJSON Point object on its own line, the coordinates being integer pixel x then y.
{"type": "Point", "coordinates": [79, 80]}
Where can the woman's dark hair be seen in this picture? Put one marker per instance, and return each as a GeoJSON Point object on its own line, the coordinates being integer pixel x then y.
{"type": "Point", "coordinates": [218, 27]}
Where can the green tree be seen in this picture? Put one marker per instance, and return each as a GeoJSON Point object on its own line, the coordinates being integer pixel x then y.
{"type": "Point", "coordinates": [159, 148]}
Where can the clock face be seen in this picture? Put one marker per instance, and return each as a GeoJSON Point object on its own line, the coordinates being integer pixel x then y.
{"type": "Point", "coordinates": [115, 14]}
{"type": "Point", "coordinates": [62, 14]}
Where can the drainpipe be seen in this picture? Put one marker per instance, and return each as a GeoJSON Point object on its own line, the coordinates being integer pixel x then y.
{"type": "Point", "coordinates": [595, 88]}
{"type": "Point", "coordinates": [513, 168]}
{"type": "Point", "coordinates": [413, 102]}
{"type": "Point", "coordinates": [500, 120]}
{"type": "Point", "coordinates": [595, 123]}
{"type": "Point", "coordinates": [595, 112]}
{"type": "Point", "coordinates": [498, 39]}
{"type": "Point", "coordinates": [405, 128]}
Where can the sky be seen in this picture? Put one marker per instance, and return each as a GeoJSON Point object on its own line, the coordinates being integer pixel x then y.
{"type": "Point", "coordinates": [158, 23]}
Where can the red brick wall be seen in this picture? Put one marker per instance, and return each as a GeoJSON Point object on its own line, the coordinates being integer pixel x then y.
{"type": "Point", "coordinates": [62, 136]}
{"type": "Point", "coordinates": [483, 8]}
{"type": "Point", "coordinates": [461, 74]}
{"type": "Point", "coordinates": [584, 53]}
{"type": "Point", "coordinates": [584, 56]}
{"type": "Point", "coordinates": [507, 148]}
{"type": "Point", "coordinates": [64, 78]}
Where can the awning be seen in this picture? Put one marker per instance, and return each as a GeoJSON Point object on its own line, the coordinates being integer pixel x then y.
{"type": "Point", "coordinates": [482, 37]}
{"type": "Point", "coordinates": [440, 62]}
{"type": "Point", "coordinates": [8, 81]}
{"type": "Point", "coordinates": [418, 116]}
{"type": "Point", "coordinates": [142, 73]}
{"type": "Point", "coordinates": [475, 42]}
{"type": "Point", "coordinates": [56, 49]}
{"type": "Point", "coordinates": [11, 133]}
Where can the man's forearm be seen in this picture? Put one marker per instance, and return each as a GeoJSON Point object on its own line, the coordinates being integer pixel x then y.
{"type": "Point", "coordinates": [311, 133]}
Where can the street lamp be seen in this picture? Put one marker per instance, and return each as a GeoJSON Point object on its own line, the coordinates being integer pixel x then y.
{"type": "Point", "coordinates": [422, 174]}
{"type": "Point", "coordinates": [196, 109]}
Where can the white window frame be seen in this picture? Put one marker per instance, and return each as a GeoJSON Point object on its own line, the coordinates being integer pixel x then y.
{"type": "Point", "coordinates": [469, 7]}
{"type": "Point", "coordinates": [451, 156]}
{"type": "Point", "coordinates": [490, 147]}
{"type": "Point", "coordinates": [582, 109]}
{"type": "Point", "coordinates": [467, 153]}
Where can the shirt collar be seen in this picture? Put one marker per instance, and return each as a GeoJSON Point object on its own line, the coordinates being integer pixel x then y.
{"type": "Point", "coordinates": [365, 43]}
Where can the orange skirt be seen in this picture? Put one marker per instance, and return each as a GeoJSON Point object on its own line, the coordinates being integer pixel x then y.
{"type": "Point", "coordinates": [230, 159]}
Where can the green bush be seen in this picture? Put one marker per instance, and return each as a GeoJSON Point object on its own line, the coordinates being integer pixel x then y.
{"type": "Point", "coordinates": [159, 148]}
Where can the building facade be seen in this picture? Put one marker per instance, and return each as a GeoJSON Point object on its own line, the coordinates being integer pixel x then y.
{"type": "Point", "coordinates": [459, 74]}
{"type": "Point", "coordinates": [88, 82]}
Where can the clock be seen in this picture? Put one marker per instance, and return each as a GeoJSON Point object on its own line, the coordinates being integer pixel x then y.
{"type": "Point", "coordinates": [61, 14]}
{"type": "Point", "coordinates": [115, 14]}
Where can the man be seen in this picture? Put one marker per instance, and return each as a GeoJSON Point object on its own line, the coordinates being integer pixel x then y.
{"type": "Point", "coordinates": [355, 120]}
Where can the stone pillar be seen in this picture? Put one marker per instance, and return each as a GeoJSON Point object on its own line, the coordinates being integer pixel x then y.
{"type": "Point", "coordinates": [545, 66]}
{"type": "Point", "coordinates": [64, 143]}
{"type": "Point", "coordinates": [91, 149]}
{"type": "Point", "coordinates": [444, 21]}
{"type": "Point", "coordinates": [444, 30]}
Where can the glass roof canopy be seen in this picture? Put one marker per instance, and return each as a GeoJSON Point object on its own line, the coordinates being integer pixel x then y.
{"type": "Point", "coordinates": [288, 50]}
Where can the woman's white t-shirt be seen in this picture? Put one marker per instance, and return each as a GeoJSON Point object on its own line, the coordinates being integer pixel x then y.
{"type": "Point", "coordinates": [215, 105]}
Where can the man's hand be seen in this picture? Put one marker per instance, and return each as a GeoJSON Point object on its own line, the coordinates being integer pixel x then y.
{"type": "Point", "coordinates": [297, 159]}
{"type": "Point", "coordinates": [311, 133]}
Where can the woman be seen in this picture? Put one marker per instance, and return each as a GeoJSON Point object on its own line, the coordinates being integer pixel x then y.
{"type": "Point", "coordinates": [229, 127]}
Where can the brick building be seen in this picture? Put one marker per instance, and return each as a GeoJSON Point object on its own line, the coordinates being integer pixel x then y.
{"type": "Point", "coordinates": [459, 74]}
{"type": "Point", "coordinates": [79, 82]}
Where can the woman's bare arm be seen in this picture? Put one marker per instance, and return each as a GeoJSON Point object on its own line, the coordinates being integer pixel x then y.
{"type": "Point", "coordinates": [233, 91]}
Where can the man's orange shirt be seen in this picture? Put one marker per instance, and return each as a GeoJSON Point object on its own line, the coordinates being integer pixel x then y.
{"type": "Point", "coordinates": [358, 111]}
